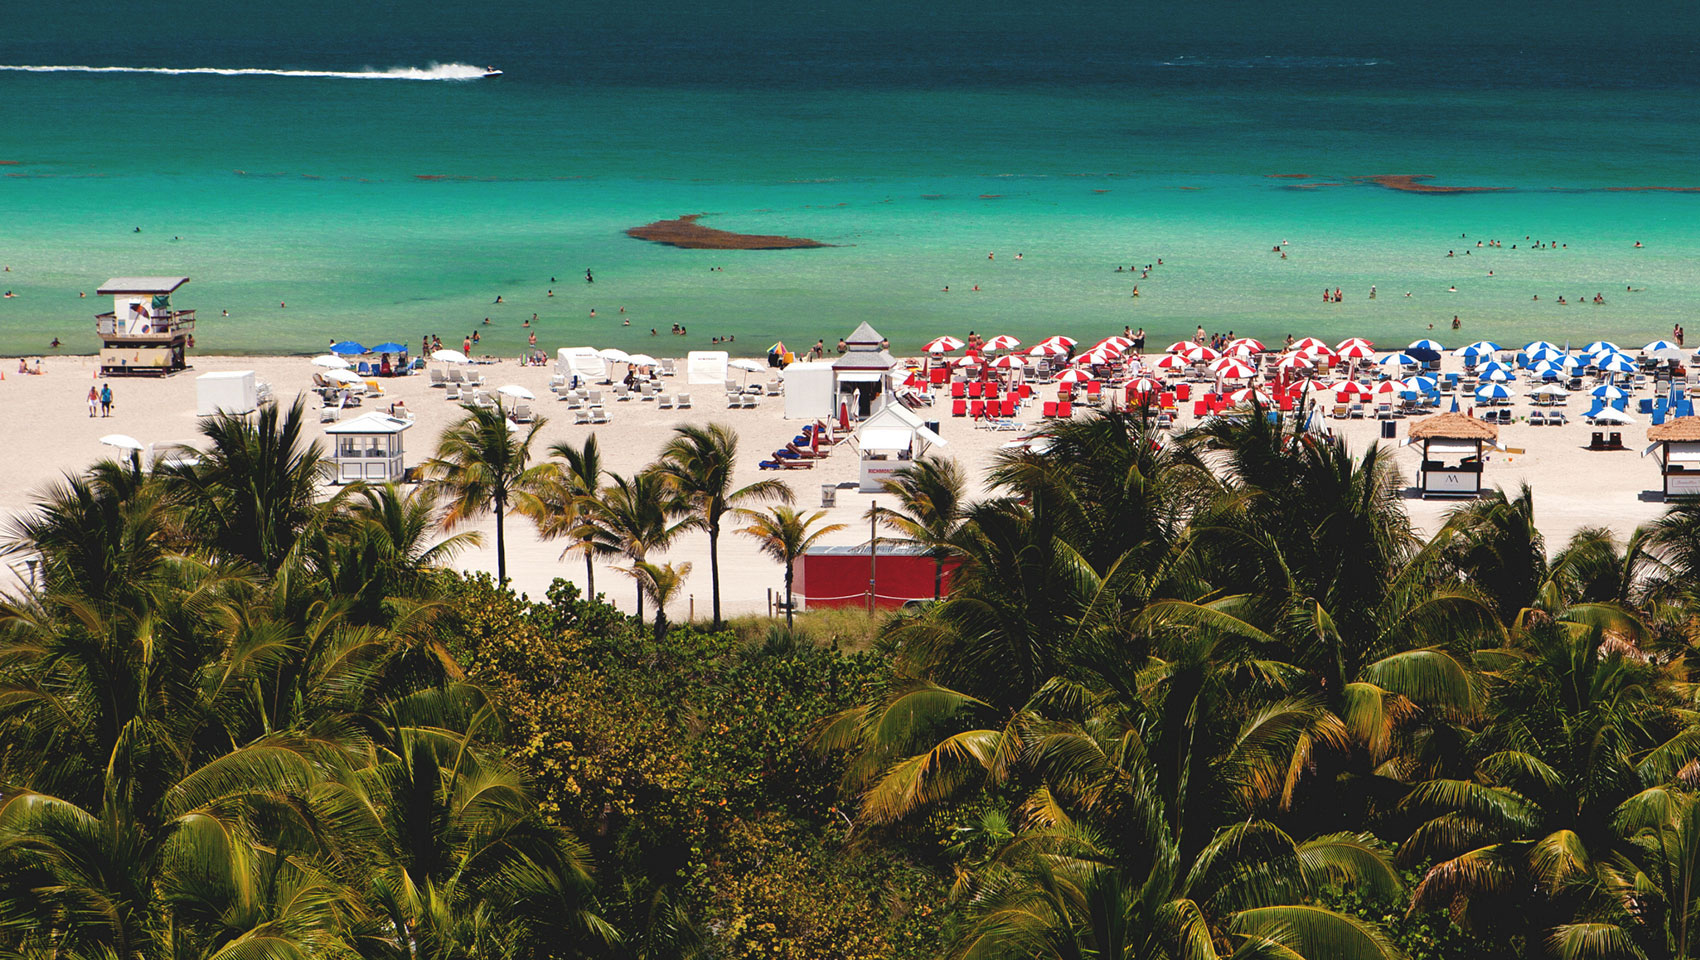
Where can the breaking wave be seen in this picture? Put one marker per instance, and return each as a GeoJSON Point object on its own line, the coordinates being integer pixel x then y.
{"type": "Point", "coordinates": [435, 71]}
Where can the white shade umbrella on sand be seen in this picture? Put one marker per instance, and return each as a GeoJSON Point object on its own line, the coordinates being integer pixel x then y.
{"type": "Point", "coordinates": [1549, 390]}
{"type": "Point", "coordinates": [450, 356]}
{"type": "Point", "coordinates": [516, 391]}
{"type": "Point", "coordinates": [643, 360]}
{"type": "Point", "coordinates": [1613, 415]}
{"type": "Point", "coordinates": [343, 377]}
{"type": "Point", "coordinates": [614, 355]}
{"type": "Point", "coordinates": [330, 361]}
{"type": "Point", "coordinates": [122, 441]}
{"type": "Point", "coordinates": [744, 363]}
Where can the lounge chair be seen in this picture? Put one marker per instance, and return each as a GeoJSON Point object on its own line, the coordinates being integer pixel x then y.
{"type": "Point", "coordinates": [751, 401]}
{"type": "Point", "coordinates": [455, 376]}
{"type": "Point", "coordinates": [582, 416]}
{"type": "Point", "coordinates": [599, 415]}
{"type": "Point", "coordinates": [775, 388]}
{"type": "Point", "coordinates": [783, 464]}
{"type": "Point", "coordinates": [1537, 418]}
{"type": "Point", "coordinates": [453, 392]}
{"type": "Point", "coordinates": [667, 369]}
{"type": "Point", "coordinates": [664, 401]}
{"type": "Point", "coordinates": [622, 392]}
{"type": "Point", "coordinates": [439, 378]}
{"type": "Point", "coordinates": [1556, 418]}
{"type": "Point", "coordinates": [683, 402]}
{"type": "Point", "coordinates": [521, 413]}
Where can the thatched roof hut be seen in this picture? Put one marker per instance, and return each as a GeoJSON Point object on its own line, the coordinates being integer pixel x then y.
{"type": "Point", "coordinates": [1453, 426]}
{"type": "Point", "coordinates": [1681, 429]}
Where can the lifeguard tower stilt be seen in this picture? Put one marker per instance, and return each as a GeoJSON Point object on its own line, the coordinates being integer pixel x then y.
{"type": "Point", "coordinates": [143, 335]}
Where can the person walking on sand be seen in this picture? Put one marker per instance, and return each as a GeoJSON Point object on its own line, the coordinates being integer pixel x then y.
{"type": "Point", "coordinates": [106, 400]}
{"type": "Point", "coordinates": [94, 400]}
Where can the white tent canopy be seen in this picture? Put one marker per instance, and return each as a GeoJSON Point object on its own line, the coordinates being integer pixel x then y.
{"type": "Point", "coordinates": [884, 426]}
{"type": "Point", "coordinates": [583, 362]}
{"type": "Point", "coordinates": [706, 367]}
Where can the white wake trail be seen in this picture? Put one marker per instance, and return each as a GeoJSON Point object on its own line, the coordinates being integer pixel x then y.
{"type": "Point", "coordinates": [436, 71]}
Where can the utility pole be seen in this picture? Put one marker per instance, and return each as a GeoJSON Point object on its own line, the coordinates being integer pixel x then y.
{"type": "Point", "coordinates": [873, 553]}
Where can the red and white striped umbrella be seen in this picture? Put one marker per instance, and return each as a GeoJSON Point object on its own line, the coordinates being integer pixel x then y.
{"type": "Point", "coordinates": [1349, 388]}
{"type": "Point", "coordinates": [1144, 385]}
{"type": "Point", "coordinates": [1075, 376]}
{"type": "Point", "coordinates": [1048, 349]}
{"type": "Point", "coordinates": [1009, 361]}
{"type": "Point", "coordinates": [1353, 342]}
{"type": "Point", "coordinates": [1293, 361]}
{"type": "Point", "coordinates": [1356, 351]}
{"type": "Point", "coordinates": [1230, 368]}
{"type": "Point", "coordinates": [1309, 343]}
{"type": "Point", "coordinates": [1180, 346]}
{"type": "Point", "coordinates": [942, 345]}
{"type": "Point", "coordinates": [1256, 345]}
{"type": "Point", "coordinates": [1096, 357]}
{"type": "Point", "coordinates": [1389, 386]}
{"type": "Point", "coordinates": [970, 360]}
{"type": "Point", "coordinates": [1244, 351]}
{"type": "Point", "coordinates": [1118, 341]}
{"type": "Point", "coordinates": [1249, 394]}
{"type": "Point", "coordinates": [1004, 342]}
{"type": "Point", "coordinates": [1059, 338]}
{"type": "Point", "coordinates": [1110, 346]}
{"type": "Point", "coordinates": [1198, 353]}
{"type": "Point", "coordinates": [1319, 355]}
{"type": "Point", "coordinates": [1172, 361]}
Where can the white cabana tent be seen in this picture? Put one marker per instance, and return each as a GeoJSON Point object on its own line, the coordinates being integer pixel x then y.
{"type": "Point", "coordinates": [889, 439]}
{"type": "Point", "coordinates": [703, 367]}
{"type": "Point", "coordinates": [808, 391]}
{"type": "Point", "coordinates": [582, 362]}
{"type": "Point", "coordinates": [227, 391]}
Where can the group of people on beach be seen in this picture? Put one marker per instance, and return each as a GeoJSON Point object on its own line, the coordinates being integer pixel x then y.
{"type": "Point", "coordinates": [100, 399]}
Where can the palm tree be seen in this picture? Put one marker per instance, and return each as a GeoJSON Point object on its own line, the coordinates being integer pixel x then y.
{"type": "Point", "coordinates": [931, 495]}
{"type": "Point", "coordinates": [556, 499]}
{"type": "Point", "coordinates": [785, 535]}
{"type": "Point", "coordinates": [479, 466]}
{"type": "Point", "coordinates": [699, 462]}
{"type": "Point", "coordinates": [661, 582]}
{"type": "Point", "coordinates": [255, 490]}
{"type": "Point", "coordinates": [106, 536]}
{"type": "Point", "coordinates": [381, 549]}
{"type": "Point", "coordinates": [631, 517]}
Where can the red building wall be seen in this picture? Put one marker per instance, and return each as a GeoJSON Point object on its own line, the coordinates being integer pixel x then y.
{"type": "Point", "coordinates": [836, 579]}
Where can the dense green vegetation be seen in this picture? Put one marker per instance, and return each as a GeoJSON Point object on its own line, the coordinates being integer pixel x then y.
{"type": "Point", "coordinates": [1189, 698]}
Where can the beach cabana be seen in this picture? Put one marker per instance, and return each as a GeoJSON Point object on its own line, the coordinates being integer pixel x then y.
{"type": "Point", "coordinates": [226, 391]}
{"type": "Point", "coordinates": [808, 391]}
{"type": "Point", "coordinates": [143, 334]}
{"type": "Point", "coordinates": [1452, 447]}
{"type": "Point", "coordinates": [864, 370]}
{"type": "Point", "coordinates": [1676, 445]}
{"type": "Point", "coordinates": [890, 439]}
{"type": "Point", "coordinates": [582, 362]}
{"type": "Point", "coordinates": [369, 448]}
{"type": "Point", "coordinates": [706, 367]}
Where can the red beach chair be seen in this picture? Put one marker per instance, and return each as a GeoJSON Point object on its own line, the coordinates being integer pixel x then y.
{"type": "Point", "coordinates": [1050, 408]}
{"type": "Point", "coordinates": [977, 408]}
{"type": "Point", "coordinates": [959, 408]}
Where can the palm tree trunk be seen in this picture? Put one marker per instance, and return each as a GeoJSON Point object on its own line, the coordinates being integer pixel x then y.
{"type": "Point", "coordinates": [788, 600]}
{"type": "Point", "coordinates": [501, 549]}
{"type": "Point", "coordinates": [589, 577]}
{"type": "Point", "coordinates": [640, 603]}
{"type": "Point", "coordinates": [714, 568]}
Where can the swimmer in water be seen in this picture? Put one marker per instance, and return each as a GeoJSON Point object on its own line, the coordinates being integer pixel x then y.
{"type": "Point", "coordinates": [498, 298]}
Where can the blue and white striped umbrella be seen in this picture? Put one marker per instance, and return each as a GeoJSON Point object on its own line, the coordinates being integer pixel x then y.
{"type": "Point", "coordinates": [1545, 367]}
{"type": "Point", "coordinates": [1599, 345]}
{"type": "Point", "coordinates": [1568, 362]}
{"type": "Point", "coordinates": [1476, 350]}
{"type": "Point", "coordinates": [1427, 345]}
{"type": "Point", "coordinates": [1534, 345]}
{"type": "Point", "coordinates": [1397, 360]}
{"type": "Point", "coordinates": [1497, 375]}
{"type": "Point", "coordinates": [1606, 391]}
{"type": "Point", "coordinates": [1493, 391]}
{"type": "Point", "coordinates": [1422, 384]}
{"type": "Point", "coordinates": [1541, 353]}
{"type": "Point", "coordinates": [1497, 367]}
{"type": "Point", "coordinates": [1617, 363]}
{"type": "Point", "coordinates": [1658, 345]}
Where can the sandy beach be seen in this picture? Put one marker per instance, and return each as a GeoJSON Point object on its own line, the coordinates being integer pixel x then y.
{"type": "Point", "coordinates": [47, 432]}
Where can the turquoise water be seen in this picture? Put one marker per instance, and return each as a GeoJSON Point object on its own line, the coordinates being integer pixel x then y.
{"type": "Point", "coordinates": [1079, 139]}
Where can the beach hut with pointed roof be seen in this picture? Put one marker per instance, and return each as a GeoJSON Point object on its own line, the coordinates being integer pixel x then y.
{"type": "Point", "coordinates": [1676, 445]}
{"type": "Point", "coordinates": [1453, 447]}
{"type": "Point", "coordinates": [144, 333]}
{"type": "Point", "coordinates": [862, 376]}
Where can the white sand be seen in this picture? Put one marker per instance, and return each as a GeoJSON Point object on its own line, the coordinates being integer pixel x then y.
{"type": "Point", "coordinates": [45, 431]}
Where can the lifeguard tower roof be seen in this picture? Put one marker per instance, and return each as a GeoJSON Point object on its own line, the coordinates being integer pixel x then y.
{"type": "Point", "coordinates": [122, 285]}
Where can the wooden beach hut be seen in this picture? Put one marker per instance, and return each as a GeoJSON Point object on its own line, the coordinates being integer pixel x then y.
{"type": "Point", "coordinates": [143, 334]}
{"type": "Point", "coordinates": [1676, 445]}
{"type": "Point", "coordinates": [1452, 448]}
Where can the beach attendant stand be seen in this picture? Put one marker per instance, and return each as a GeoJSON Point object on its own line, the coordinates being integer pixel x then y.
{"type": "Point", "coordinates": [1452, 446]}
{"type": "Point", "coordinates": [369, 448]}
{"type": "Point", "coordinates": [143, 335]}
{"type": "Point", "coordinates": [1676, 445]}
{"type": "Point", "coordinates": [889, 440]}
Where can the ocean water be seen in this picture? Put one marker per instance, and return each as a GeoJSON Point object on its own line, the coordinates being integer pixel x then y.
{"type": "Point", "coordinates": [347, 163]}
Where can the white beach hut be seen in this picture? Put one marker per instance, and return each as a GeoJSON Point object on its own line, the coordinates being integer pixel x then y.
{"type": "Point", "coordinates": [369, 448]}
{"type": "Point", "coordinates": [706, 367]}
{"type": "Point", "coordinates": [890, 439]}
{"type": "Point", "coordinates": [582, 362]}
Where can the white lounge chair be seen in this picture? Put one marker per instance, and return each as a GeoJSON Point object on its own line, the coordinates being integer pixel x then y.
{"type": "Point", "coordinates": [664, 401]}
{"type": "Point", "coordinates": [598, 415]}
{"type": "Point", "coordinates": [684, 401]}
{"type": "Point", "coordinates": [521, 413]}
{"type": "Point", "coordinates": [453, 392]}
{"type": "Point", "coordinates": [582, 416]}
{"type": "Point", "coordinates": [439, 378]}
{"type": "Point", "coordinates": [751, 401]}
{"type": "Point", "coordinates": [622, 392]}
{"type": "Point", "coordinates": [667, 367]}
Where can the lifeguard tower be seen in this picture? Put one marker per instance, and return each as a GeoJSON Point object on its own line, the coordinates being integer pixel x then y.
{"type": "Point", "coordinates": [143, 335]}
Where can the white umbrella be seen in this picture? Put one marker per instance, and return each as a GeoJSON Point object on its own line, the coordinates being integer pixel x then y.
{"type": "Point", "coordinates": [121, 441]}
{"type": "Point", "coordinates": [643, 360]}
{"type": "Point", "coordinates": [744, 363]}
{"type": "Point", "coordinates": [330, 361]}
{"type": "Point", "coordinates": [516, 391]}
{"type": "Point", "coordinates": [1613, 415]}
{"type": "Point", "coordinates": [1548, 390]}
{"type": "Point", "coordinates": [343, 376]}
{"type": "Point", "coordinates": [450, 356]}
{"type": "Point", "coordinates": [614, 354]}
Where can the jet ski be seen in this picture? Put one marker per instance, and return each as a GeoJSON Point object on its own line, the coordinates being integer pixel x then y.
{"type": "Point", "coordinates": [491, 72]}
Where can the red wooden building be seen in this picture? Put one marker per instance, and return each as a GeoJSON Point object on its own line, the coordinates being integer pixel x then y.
{"type": "Point", "coordinates": [842, 576]}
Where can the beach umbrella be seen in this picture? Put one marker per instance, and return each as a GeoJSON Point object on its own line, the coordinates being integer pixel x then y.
{"type": "Point", "coordinates": [1455, 403]}
{"type": "Point", "coordinates": [1108, 347]}
{"type": "Point", "coordinates": [1198, 353]}
{"type": "Point", "coordinates": [1493, 391]}
{"type": "Point", "coordinates": [1311, 343]}
{"type": "Point", "coordinates": [1172, 361]}
{"type": "Point", "coordinates": [1251, 395]}
{"type": "Point", "coordinates": [1658, 345]}
{"type": "Point", "coordinates": [1601, 345]}
{"type": "Point", "coordinates": [1317, 351]}
{"type": "Point", "coordinates": [1617, 363]}
{"type": "Point", "coordinates": [1545, 368]}
{"type": "Point", "coordinates": [1397, 360]}
{"type": "Point", "coordinates": [1548, 390]}
{"type": "Point", "coordinates": [1118, 341]}
{"type": "Point", "coordinates": [1606, 391]}
{"type": "Point", "coordinates": [1486, 345]}
{"type": "Point", "coordinates": [643, 360]}
{"type": "Point", "coordinates": [1096, 357]}
{"type": "Point", "coordinates": [1540, 354]}
{"type": "Point", "coordinates": [1231, 368]}
{"type": "Point", "coordinates": [942, 345]}
{"type": "Point", "coordinates": [1426, 344]}
{"type": "Point", "coordinates": [450, 356]}
{"type": "Point", "coordinates": [1422, 355]}
{"type": "Point", "coordinates": [1256, 345]}
{"type": "Point", "coordinates": [745, 364]}
{"type": "Point", "coordinates": [1293, 361]}
{"type": "Point", "coordinates": [1048, 350]}
{"type": "Point", "coordinates": [1422, 384]}
{"type": "Point", "coordinates": [1241, 350]}
{"type": "Point", "coordinates": [614, 355]}
{"type": "Point", "coordinates": [347, 348]}
{"type": "Point", "coordinates": [330, 362]}
{"type": "Point", "coordinates": [1180, 346]}
{"type": "Point", "coordinates": [1473, 352]}
{"type": "Point", "coordinates": [1353, 342]}
{"type": "Point", "coordinates": [1499, 375]}
{"type": "Point", "coordinates": [344, 377]}
{"type": "Point", "coordinates": [1075, 376]}
{"type": "Point", "coordinates": [1356, 351]}
{"type": "Point", "coordinates": [1494, 366]}
{"type": "Point", "coordinates": [516, 391]}
{"type": "Point", "coordinates": [967, 360]}
{"type": "Point", "coordinates": [1010, 361]}
{"type": "Point", "coordinates": [1391, 386]}
{"type": "Point", "coordinates": [1004, 342]}
{"type": "Point", "coordinates": [122, 442]}
{"type": "Point", "coordinates": [1144, 385]}
{"type": "Point", "coordinates": [1065, 341]}
{"type": "Point", "coordinates": [1613, 415]}
{"type": "Point", "coordinates": [390, 347]}
{"type": "Point", "coordinates": [1534, 345]}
